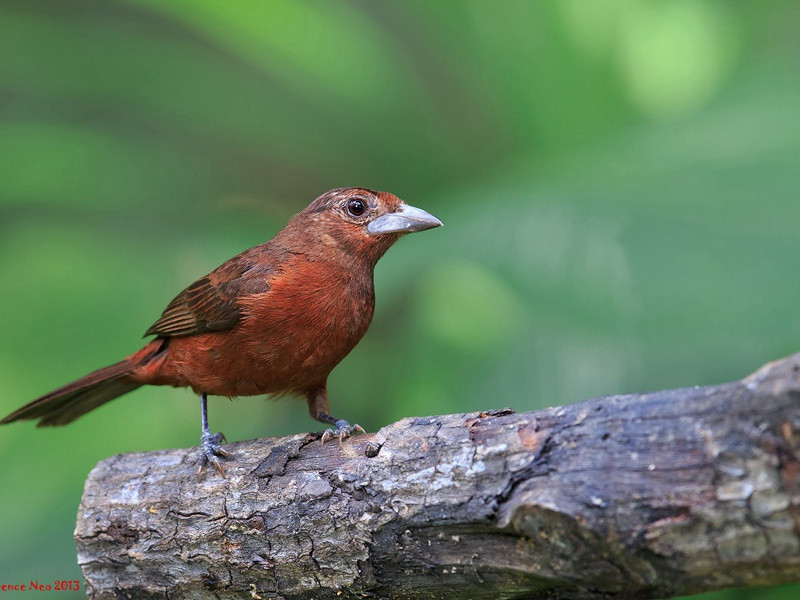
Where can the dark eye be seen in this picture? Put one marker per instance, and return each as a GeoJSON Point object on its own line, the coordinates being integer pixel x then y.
{"type": "Point", "coordinates": [356, 207]}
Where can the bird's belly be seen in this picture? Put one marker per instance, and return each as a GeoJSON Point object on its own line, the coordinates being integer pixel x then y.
{"type": "Point", "coordinates": [266, 353]}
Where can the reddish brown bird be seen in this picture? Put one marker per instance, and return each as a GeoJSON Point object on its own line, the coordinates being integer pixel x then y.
{"type": "Point", "coordinates": [276, 319]}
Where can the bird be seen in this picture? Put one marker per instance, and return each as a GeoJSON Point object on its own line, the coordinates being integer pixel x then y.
{"type": "Point", "coordinates": [274, 319]}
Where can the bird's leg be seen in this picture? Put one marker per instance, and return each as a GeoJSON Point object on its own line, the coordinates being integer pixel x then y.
{"type": "Point", "coordinates": [320, 410]}
{"type": "Point", "coordinates": [211, 444]}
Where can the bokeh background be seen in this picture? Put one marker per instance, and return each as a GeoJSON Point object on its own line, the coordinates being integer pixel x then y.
{"type": "Point", "coordinates": [619, 181]}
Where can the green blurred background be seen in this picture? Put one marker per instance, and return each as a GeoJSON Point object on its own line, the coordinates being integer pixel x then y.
{"type": "Point", "coordinates": [619, 182]}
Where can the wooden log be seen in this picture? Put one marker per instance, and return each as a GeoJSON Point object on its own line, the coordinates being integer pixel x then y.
{"type": "Point", "coordinates": [644, 495]}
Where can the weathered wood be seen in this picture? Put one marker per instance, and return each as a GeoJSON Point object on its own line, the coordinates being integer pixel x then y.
{"type": "Point", "coordinates": [650, 495]}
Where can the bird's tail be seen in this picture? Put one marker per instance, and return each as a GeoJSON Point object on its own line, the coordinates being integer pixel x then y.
{"type": "Point", "coordinates": [67, 403]}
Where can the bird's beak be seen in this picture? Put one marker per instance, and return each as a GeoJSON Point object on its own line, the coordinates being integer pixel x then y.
{"type": "Point", "coordinates": [406, 219]}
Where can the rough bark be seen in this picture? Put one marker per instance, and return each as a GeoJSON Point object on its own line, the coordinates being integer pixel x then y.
{"type": "Point", "coordinates": [643, 495]}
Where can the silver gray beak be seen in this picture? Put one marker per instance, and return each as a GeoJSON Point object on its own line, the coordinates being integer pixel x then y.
{"type": "Point", "coordinates": [406, 219]}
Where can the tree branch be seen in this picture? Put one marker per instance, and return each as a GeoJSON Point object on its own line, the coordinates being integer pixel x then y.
{"type": "Point", "coordinates": [644, 495]}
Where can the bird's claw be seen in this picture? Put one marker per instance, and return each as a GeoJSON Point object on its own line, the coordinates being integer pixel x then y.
{"type": "Point", "coordinates": [211, 446]}
{"type": "Point", "coordinates": [343, 431]}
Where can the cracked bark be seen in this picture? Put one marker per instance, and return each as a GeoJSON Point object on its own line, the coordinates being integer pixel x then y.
{"type": "Point", "coordinates": [643, 495]}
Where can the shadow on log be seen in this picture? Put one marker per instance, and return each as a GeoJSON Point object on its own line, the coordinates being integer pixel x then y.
{"type": "Point", "coordinates": [645, 496]}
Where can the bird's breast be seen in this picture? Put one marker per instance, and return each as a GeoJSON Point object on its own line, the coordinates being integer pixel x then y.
{"type": "Point", "coordinates": [310, 319]}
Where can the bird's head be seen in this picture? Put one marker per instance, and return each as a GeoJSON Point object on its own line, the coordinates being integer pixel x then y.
{"type": "Point", "coordinates": [360, 222]}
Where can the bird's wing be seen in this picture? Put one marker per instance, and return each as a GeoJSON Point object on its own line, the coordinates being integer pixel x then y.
{"type": "Point", "coordinates": [212, 303]}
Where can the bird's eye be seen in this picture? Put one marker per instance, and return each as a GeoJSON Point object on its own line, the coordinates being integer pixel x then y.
{"type": "Point", "coordinates": [356, 207]}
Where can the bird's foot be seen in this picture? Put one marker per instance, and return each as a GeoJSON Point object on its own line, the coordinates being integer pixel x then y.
{"type": "Point", "coordinates": [211, 445]}
{"type": "Point", "coordinates": [343, 431]}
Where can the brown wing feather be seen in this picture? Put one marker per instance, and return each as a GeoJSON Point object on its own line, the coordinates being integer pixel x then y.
{"type": "Point", "coordinates": [200, 308]}
{"type": "Point", "coordinates": [212, 302]}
